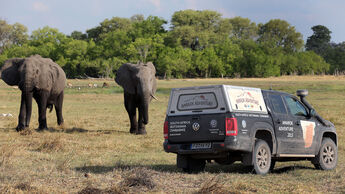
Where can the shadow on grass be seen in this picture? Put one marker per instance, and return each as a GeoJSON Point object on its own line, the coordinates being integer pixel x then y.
{"type": "Point", "coordinates": [287, 169]}
{"type": "Point", "coordinates": [6, 129]}
{"type": "Point", "coordinates": [106, 169]}
{"type": "Point", "coordinates": [235, 168]}
{"type": "Point", "coordinates": [79, 130]}
{"type": "Point", "coordinates": [210, 168]}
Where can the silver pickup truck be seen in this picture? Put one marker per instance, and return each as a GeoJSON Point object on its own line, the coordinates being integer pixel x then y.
{"type": "Point", "coordinates": [258, 127]}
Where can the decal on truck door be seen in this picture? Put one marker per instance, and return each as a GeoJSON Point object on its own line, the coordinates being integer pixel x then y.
{"type": "Point", "coordinates": [308, 129]}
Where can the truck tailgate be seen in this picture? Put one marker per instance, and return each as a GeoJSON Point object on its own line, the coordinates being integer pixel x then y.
{"type": "Point", "coordinates": [196, 128]}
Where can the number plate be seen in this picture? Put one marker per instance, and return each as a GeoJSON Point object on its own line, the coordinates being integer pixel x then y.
{"type": "Point", "coordinates": [195, 146]}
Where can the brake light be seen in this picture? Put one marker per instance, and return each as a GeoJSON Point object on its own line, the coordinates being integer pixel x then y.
{"type": "Point", "coordinates": [231, 127]}
{"type": "Point", "coordinates": [166, 129]}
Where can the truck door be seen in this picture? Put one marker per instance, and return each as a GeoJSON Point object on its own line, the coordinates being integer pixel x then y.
{"type": "Point", "coordinates": [283, 125]}
{"type": "Point", "coordinates": [304, 126]}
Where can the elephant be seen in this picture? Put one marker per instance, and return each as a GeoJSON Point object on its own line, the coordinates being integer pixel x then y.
{"type": "Point", "coordinates": [139, 85]}
{"type": "Point", "coordinates": [38, 78]}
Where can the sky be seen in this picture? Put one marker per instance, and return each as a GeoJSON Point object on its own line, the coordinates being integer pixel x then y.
{"type": "Point", "coordinates": [80, 15]}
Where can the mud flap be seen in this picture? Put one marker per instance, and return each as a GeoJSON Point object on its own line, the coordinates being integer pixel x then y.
{"type": "Point", "coordinates": [182, 161]}
{"type": "Point", "coordinates": [247, 159]}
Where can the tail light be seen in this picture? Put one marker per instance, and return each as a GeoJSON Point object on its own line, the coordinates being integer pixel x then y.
{"type": "Point", "coordinates": [166, 130]}
{"type": "Point", "coordinates": [231, 127]}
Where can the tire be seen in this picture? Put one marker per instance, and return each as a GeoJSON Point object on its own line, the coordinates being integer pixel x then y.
{"type": "Point", "coordinates": [261, 157]}
{"type": "Point", "coordinates": [327, 157]}
{"type": "Point", "coordinates": [194, 165]}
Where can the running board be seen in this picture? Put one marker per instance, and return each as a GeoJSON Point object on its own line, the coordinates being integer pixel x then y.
{"type": "Point", "coordinates": [296, 155]}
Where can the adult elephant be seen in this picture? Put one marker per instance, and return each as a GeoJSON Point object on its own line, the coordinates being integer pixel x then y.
{"type": "Point", "coordinates": [38, 78]}
{"type": "Point", "coordinates": [139, 85]}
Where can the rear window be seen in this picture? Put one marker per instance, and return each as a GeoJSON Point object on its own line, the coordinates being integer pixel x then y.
{"type": "Point", "coordinates": [187, 102]}
{"type": "Point", "coordinates": [277, 103]}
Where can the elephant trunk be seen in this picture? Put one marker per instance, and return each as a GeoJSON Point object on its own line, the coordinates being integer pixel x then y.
{"type": "Point", "coordinates": [145, 108]}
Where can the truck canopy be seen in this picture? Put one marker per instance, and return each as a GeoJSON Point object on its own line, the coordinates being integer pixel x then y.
{"type": "Point", "coordinates": [215, 99]}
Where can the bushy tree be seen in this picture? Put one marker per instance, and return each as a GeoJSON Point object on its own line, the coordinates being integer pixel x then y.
{"type": "Point", "coordinates": [279, 33]}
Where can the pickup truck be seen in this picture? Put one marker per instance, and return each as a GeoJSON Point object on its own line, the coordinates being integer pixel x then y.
{"type": "Point", "coordinates": [258, 127]}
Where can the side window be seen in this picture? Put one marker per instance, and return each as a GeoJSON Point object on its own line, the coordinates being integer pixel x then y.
{"type": "Point", "coordinates": [278, 104]}
{"type": "Point", "coordinates": [295, 107]}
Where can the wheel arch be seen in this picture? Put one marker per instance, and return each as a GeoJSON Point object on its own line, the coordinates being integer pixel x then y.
{"type": "Point", "coordinates": [265, 132]}
{"type": "Point", "coordinates": [330, 135]}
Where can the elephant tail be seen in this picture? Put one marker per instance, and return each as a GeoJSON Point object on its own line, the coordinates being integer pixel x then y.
{"type": "Point", "coordinates": [50, 106]}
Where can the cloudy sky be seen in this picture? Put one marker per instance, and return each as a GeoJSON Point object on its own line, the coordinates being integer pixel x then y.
{"type": "Point", "coordinates": [70, 15]}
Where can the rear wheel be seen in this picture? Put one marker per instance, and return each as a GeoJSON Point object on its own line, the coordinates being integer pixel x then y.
{"type": "Point", "coordinates": [261, 157]}
{"type": "Point", "coordinates": [190, 165]}
{"type": "Point", "coordinates": [328, 155]}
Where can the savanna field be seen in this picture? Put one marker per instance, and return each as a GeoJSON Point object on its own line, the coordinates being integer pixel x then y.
{"type": "Point", "coordinates": [94, 153]}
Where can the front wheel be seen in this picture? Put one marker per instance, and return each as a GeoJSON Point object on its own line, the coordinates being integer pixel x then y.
{"type": "Point", "coordinates": [327, 157]}
{"type": "Point", "coordinates": [261, 157]}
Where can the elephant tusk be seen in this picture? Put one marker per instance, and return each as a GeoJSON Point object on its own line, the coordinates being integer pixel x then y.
{"type": "Point", "coordinates": [154, 97]}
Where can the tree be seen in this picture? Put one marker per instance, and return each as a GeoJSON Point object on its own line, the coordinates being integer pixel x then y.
{"type": "Point", "coordinates": [230, 55]}
{"type": "Point", "coordinates": [114, 24]}
{"type": "Point", "coordinates": [5, 35]}
{"type": "Point", "coordinates": [335, 56]}
{"type": "Point", "coordinates": [48, 42]}
{"type": "Point", "coordinates": [279, 33]}
{"type": "Point", "coordinates": [78, 35]}
{"type": "Point", "coordinates": [243, 28]}
{"type": "Point", "coordinates": [15, 34]}
{"type": "Point", "coordinates": [174, 62]}
{"type": "Point", "coordinates": [147, 28]}
{"type": "Point", "coordinates": [320, 40]}
{"type": "Point", "coordinates": [202, 20]}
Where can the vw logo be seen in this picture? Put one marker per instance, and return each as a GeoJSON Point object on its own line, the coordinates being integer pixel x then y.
{"type": "Point", "coordinates": [196, 126]}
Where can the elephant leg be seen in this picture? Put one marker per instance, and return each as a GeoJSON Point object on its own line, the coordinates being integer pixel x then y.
{"type": "Point", "coordinates": [42, 109]}
{"type": "Point", "coordinates": [58, 108]}
{"type": "Point", "coordinates": [131, 110]}
{"type": "Point", "coordinates": [28, 108]}
{"type": "Point", "coordinates": [22, 114]}
{"type": "Point", "coordinates": [141, 124]}
{"type": "Point", "coordinates": [25, 111]}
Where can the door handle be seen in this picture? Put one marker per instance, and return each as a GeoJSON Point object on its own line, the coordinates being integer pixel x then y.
{"type": "Point", "coordinates": [298, 123]}
{"type": "Point", "coordinates": [278, 121]}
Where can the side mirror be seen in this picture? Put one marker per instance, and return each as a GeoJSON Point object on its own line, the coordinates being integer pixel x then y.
{"type": "Point", "coordinates": [312, 112]}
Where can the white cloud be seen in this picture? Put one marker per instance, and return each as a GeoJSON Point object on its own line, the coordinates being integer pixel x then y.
{"type": "Point", "coordinates": [156, 3]}
{"type": "Point", "coordinates": [191, 4]}
{"type": "Point", "coordinates": [40, 7]}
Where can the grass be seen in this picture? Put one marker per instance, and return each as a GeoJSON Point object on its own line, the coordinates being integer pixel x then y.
{"type": "Point", "coordinates": [94, 153]}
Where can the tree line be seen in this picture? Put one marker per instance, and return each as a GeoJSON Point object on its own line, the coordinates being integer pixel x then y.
{"type": "Point", "coordinates": [196, 44]}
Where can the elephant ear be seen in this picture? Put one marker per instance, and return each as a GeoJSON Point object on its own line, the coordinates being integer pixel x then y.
{"type": "Point", "coordinates": [124, 77]}
{"type": "Point", "coordinates": [10, 71]}
{"type": "Point", "coordinates": [153, 74]}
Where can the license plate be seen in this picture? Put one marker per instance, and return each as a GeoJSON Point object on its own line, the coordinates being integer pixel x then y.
{"type": "Point", "coordinates": [195, 146]}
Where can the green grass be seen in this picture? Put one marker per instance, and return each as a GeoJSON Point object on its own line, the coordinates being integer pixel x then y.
{"type": "Point", "coordinates": [94, 151]}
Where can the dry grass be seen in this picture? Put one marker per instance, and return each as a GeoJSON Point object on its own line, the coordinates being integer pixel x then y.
{"type": "Point", "coordinates": [51, 144]}
{"type": "Point", "coordinates": [94, 153]}
{"type": "Point", "coordinates": [213, 185]}
{"type": "Point", "coordinates": [6, 152]}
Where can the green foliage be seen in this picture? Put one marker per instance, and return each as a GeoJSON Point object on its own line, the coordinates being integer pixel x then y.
{"type": "Point", "coordinates": [333, 53]}
{"type": "Point", "coordinates": [15, 34]}
{"type": "Point", "coordinates": [319, 41]}
{"type": "Point", "coordinates": [198, 44]}
{"type": "Point", "coordinates": [279, 33]}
